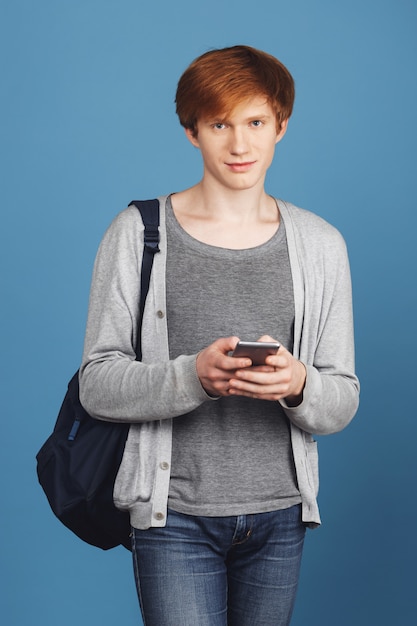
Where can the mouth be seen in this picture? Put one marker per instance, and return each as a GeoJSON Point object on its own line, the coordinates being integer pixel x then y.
{"type": "Point", "coordinates": [240, 167]}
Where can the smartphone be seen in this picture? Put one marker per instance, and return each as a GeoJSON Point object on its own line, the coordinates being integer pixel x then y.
{"type": "Point", "coordinates": [257, 351]}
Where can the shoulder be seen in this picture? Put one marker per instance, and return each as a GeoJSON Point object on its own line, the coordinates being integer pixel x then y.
{"type": "Point", "coordinates": [310, 228]}
{"type": "Point", "coordinates": [121, 242]}
{"type": "Point", "coordinates": [123, 239]}
{"type": "Point", "coordinates": [128, 219]}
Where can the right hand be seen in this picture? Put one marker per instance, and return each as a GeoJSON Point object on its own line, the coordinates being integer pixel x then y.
{"type": "Point", "coordinates": [215, 368]}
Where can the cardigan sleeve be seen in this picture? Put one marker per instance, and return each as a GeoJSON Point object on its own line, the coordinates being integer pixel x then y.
{"type": "Point", "coordinates": [113, 385]}
{"type": "Point", "coordinates": [325, 341]}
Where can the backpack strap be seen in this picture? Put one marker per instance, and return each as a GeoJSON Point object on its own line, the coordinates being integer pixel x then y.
{"type": "Point", "coordinates": [149, 210]}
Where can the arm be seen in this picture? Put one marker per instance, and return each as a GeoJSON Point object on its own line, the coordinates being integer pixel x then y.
{"type": "Point", "coordinates": [331, 393]}
{"type": "Point", "coordinates": [113, 385]}
{"type": "Point", "coordinates": [319, 392]}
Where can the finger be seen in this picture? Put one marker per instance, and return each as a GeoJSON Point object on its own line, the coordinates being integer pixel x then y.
{"type": "Point", "coordinates": [280, 360]}
{"type": "Point", "coordinates": [225, 346]}
{"type": "Point", "coordinates": [266, 338]}
{"type": "Point", "coordinates": [259, 375]}
{"type": "Point", "coordinates": [255, 386]}
{"type": "Point", "coordinates": [255, 391]}
{"type": "Point", "coordinates": [236, 363]}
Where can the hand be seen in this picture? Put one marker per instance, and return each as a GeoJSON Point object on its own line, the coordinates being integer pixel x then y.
{"type": "Point", "coordinates": [215, 368]}
{"type": "Point", "coordinates": [282, 376]}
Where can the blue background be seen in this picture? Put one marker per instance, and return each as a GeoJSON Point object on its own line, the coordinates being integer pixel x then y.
{"type": "Point", "coordinates": [87, 124]}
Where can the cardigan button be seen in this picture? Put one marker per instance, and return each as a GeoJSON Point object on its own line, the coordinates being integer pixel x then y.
{"type": "Point", "coordinates": [159, 516]}
{"type": "Point", "coordinates": [164, 465]}
{"type": "Point", "coordinates": [160, 314]}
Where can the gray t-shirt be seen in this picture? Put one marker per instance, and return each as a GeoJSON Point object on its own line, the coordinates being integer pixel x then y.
{"type": "Point", "coordinates": [232, 456]}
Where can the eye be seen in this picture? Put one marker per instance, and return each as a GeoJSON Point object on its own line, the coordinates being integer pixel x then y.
{"type": "Point", "coordinates": [257, 123]}
{"type": "Point", "coordinates": [219, 126]}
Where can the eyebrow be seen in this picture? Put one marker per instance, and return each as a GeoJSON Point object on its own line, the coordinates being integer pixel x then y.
{"type": "Point", "coordinates": [224, 120]}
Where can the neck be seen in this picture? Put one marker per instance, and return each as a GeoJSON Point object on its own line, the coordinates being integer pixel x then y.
{"type": "Point", "coordinates": [229, 219]}
{"type": "Point", "coordinates": [228, 205]}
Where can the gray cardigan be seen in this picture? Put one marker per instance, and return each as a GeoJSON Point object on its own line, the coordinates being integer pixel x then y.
{"type": "Point", "coordinates": [149, 394]}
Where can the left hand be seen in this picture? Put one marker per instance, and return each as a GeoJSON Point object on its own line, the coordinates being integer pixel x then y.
{"type": "Point", "coordinates": [282, 376]}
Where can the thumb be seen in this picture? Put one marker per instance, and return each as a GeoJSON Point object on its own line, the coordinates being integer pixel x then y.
{"type": "Point", "coordinates": [266, 338]}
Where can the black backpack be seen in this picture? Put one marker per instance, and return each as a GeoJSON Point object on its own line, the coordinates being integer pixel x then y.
{"type": "Point", "coordinates": [78, 463]}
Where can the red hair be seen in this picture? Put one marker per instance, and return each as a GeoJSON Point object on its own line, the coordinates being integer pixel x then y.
{"type": "Point", "coordinates": [217, 81]}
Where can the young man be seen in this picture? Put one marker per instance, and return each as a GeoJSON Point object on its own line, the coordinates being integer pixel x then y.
{"type": "Point", "coordinates": [219, 472]}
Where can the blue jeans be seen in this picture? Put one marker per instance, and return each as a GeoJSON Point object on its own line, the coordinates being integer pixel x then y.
{"type": "Point", "coordinates": [219, 571]}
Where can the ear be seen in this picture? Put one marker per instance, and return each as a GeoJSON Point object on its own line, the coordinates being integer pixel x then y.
{"type": "Point", "coordinates": [192, 137]}
{"type": "Point", "coordinates": [283, 130]}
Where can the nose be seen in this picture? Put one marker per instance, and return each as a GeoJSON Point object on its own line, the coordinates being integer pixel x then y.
{"type": "Point", "coordinates": [238, 141]}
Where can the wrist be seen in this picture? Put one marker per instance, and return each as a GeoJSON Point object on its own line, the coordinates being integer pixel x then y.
{"type": "Point", "coordinates": [296, 396]}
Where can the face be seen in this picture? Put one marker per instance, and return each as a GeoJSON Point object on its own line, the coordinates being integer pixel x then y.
{"type": "Point", "coordinates": [238, 150]}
